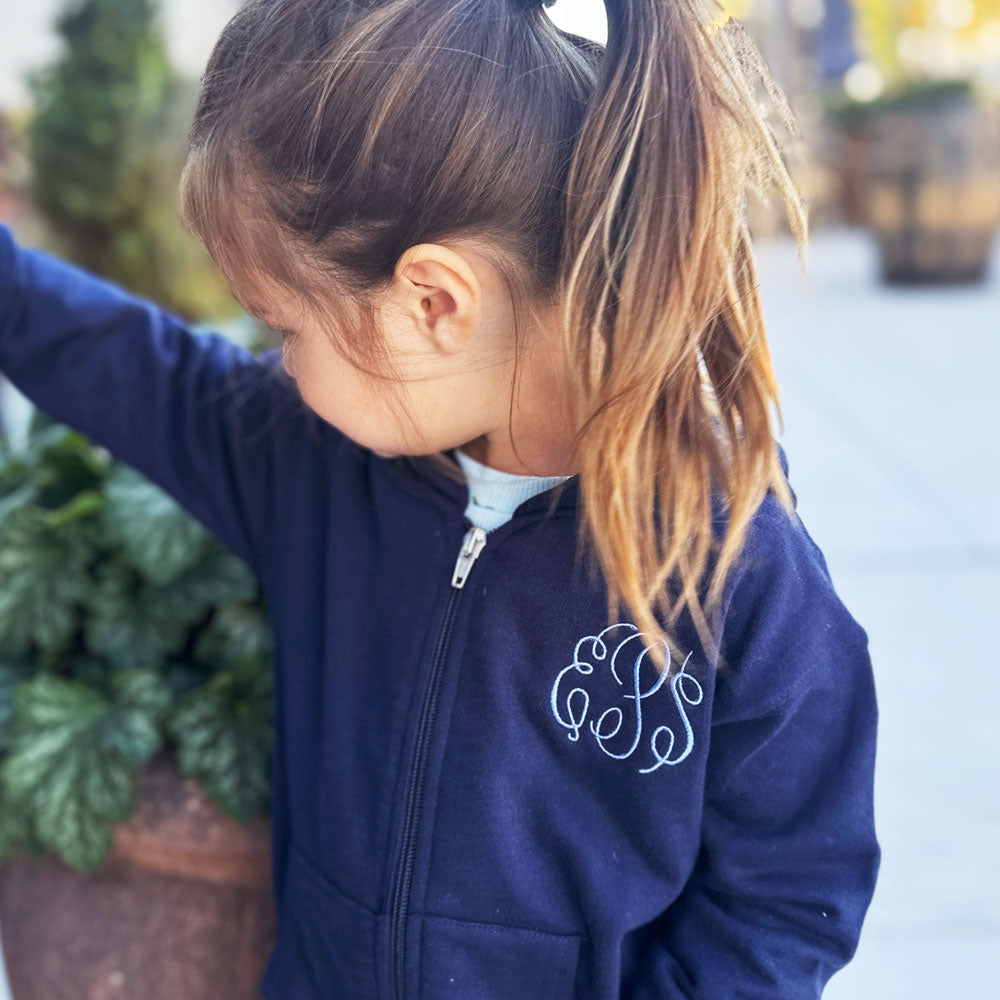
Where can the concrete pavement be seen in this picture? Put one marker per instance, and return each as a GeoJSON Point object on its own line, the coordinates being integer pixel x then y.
{"type": "Point", "coordinates": [890, 400]}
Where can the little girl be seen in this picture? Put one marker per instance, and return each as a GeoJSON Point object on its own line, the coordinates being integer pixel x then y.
{"type": "Point", "coordinates": [566, 703]}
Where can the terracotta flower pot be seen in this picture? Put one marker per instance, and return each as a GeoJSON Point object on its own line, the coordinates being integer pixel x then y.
{"type": "Point", "coordinates": [181, 908]}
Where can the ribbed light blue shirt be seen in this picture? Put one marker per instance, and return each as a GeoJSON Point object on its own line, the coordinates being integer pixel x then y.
{"type": "Point", "coordinates": [495, 495]}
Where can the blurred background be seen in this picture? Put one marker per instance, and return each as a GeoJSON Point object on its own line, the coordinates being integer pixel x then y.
{"type": "Point", "coordinates": [886, 349]}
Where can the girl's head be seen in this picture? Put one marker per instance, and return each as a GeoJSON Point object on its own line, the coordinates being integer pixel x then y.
{"type": "Point", "coordinates": [445, 320]}
{"type": "Point", "coordinates": [468, 220]}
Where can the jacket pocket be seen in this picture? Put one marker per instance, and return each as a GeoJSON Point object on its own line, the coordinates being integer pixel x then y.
{"type": "Point", "coordinates": [326, 941]}
{"type": "Point", "coordinates": [465, 960]}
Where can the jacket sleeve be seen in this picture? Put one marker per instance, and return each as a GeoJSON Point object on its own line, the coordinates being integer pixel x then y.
{"type": "Point", "coordinates": [788, 856]}
{"type": "Point", "coordinates": [201, 417]}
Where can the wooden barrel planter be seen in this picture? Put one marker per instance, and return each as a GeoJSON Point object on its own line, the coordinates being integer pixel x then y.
{"type": "Point", "coordinates": [181, 908]}
{"type": "Point", "coordinates": [933, 189]}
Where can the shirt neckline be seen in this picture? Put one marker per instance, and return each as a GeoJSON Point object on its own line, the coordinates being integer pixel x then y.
{"type": "Point", "coordinates": [419, 474]}
{"type": "Point", "coordinates": [487, 474]}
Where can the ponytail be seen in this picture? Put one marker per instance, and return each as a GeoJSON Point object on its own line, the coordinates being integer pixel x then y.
{"type": "Point", "coordinates": [673, 377]}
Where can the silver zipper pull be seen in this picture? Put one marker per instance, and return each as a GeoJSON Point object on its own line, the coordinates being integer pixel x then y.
{"type": "Point", "coordinates": [472, 545]}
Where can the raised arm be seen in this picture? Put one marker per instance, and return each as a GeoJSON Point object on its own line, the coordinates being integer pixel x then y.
{"type": "Point", "coordinates": [202, 417]}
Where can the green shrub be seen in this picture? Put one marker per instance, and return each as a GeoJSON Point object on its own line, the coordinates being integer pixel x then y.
{"type": "Point", "coordinates": [124, 627]}
{"type": "Point", "coordinates": [106, 146]}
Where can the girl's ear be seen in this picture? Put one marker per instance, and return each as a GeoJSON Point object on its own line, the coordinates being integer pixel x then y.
{"type": "Point", "coordinates": [441, 296]}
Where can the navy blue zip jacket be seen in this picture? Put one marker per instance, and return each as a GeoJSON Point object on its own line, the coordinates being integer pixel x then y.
{"type": "Point", "coordinates": [482, 790]}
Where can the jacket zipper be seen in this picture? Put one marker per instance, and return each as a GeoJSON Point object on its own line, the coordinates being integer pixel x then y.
{"type": "Point", "coordinates": [472, 544]}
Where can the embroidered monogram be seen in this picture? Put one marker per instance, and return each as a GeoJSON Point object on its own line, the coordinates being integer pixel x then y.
{"type": "Point", "coordinates": [684, 689]}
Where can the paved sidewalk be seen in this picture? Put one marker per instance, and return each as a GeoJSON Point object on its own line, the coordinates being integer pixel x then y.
{"type": "Point", "coordinates": [890, 400]}
{"type": "Point", "coordinates": [892, 418]}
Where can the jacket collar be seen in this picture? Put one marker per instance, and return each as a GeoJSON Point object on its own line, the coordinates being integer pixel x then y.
{"type": "Point", "coordinates": [420, 475]}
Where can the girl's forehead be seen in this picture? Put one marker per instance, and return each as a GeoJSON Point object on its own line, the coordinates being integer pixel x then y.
{"type": "Point", "coordinates": [268, 299]}
{"type": "Point", "coordinates": [265, 300]}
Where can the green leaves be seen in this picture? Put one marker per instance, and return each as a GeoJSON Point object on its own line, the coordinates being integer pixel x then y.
{"type": "Point", "coordinates": [236, 631]}
{"type": "Point", "coordinates": [224, 729]}
{"type": "Point", "coordinates": [45, 576]}
{"type": "Point", "coordinates": [10, 675]}
{"type": "Point", "coordinates": [136, 624]}
{"type": "Point", "coordinates": [60, 464]}
{"type": "Point", "coordinates": [16, 831]}
{"type": "Point", "coordinates": [159, 538]}
{"type": "Point", "coordinates": [219, 577]}
{"type": "Point", "coordinates": [72, 756]}
{"type": "Point", "coordinates": [124, 627]}
{"type": "Point", "coordinates": [224, 737]}
{"type": "Point", "coordinates": [122, 621]}
{"type": "Point", "coordinates": [141, 700]}
{"type": "Point", "coordinates": [49, 496]}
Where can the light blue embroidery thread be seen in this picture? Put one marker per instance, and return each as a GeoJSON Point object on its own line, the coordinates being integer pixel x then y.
{"type": "Point", "coordinates": [681, 685]}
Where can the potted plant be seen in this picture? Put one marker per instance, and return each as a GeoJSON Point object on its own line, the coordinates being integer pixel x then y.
{"type": "Point", "coordinates": [135, 737]}
{"type": "Point", "coordinates": [923, 135]}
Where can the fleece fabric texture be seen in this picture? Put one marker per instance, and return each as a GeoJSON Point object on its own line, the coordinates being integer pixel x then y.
{"type": "Point", "coordinates": [487, 792]}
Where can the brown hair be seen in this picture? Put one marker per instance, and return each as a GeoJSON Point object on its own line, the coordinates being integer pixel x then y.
{"type": "Point", "coordinates": [610, 181]}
